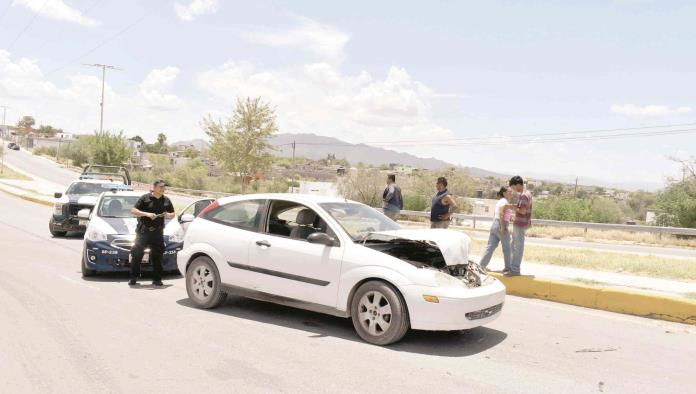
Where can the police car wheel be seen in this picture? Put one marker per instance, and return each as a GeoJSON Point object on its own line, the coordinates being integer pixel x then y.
{"type": "Point", "coordinates": [85, 271]}
{"type": "Point", "coordinates": [203, 283]}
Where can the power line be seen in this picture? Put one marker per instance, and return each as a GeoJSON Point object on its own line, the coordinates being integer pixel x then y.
{"type": "Point", "coordinates": [594, 131]}
{"type": "Point", "coordinates": [490, 141]}
{"type": "Point", "coordinates": [105, 41]}
{"type": "Point", "coordinates": [6, 10]}
{"type": "Point", "coordinates": [31, 22]}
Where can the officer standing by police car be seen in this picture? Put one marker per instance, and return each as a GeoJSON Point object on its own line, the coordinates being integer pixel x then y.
{"type": "Point", "coordinates": [151, 209]}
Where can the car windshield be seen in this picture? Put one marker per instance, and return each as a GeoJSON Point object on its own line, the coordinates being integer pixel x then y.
{"type": "Point", "coordinates": [117, 206]}
{"type": "Point", "coordinates": [359, 220]}
{"type": "Point", "coordinates": [92, 189]}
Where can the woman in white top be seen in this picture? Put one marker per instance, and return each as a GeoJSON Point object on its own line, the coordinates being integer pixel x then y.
{"type": "Point", "coordinates": [499, 230]}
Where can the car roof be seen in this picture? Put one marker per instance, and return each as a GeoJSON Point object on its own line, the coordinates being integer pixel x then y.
{"type": "Point", "coordinates": [125, 193]}
{"type": "Point", "coordinates": [300, 198]}
{"type": "Point", "coordinates": [99, 181]}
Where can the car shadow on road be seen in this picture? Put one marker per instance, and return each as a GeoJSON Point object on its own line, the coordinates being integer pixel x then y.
{"type": "Point", "coordinates": [461, 343]}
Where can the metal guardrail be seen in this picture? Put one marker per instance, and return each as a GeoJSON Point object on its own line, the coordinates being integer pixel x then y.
{"type": "Point", "coordinates": [583, 225]}
{"type": "Point", "coordinates": [481, 218]}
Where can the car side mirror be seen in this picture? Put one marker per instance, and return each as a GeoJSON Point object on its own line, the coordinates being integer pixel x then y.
{"type": "Point", "coordinates": [321, 239]}
{"type": "Point", "coordinates": [186, 218]}
{"type": "Point", "coordinates": [83, 213]}
{"type": "Point", "coordinates": [57, 195]}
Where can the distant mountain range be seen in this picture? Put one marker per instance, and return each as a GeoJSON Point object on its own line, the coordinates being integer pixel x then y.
{"type": "Point", "coordinates": [316, 147]}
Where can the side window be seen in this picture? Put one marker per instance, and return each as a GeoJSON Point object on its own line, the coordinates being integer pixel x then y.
{"type": "Point", "coordinates": [293, 220]}
{"type": "Point", "coordinates": [196, 208]}
{"type": "Point", "coordinates": [245, 215]}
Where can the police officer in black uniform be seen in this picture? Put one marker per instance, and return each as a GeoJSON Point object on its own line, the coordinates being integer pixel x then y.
{"type": "Point", "coordinates": [151, 210]}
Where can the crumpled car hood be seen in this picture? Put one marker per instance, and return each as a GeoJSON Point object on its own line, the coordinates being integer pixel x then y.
{"type": "Point", "coordinates": [454, 245]}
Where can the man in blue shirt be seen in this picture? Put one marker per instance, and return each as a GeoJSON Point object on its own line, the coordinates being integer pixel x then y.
{"type": "Point", "coordinates": [443, 205]}
{"type": "Point", "coordinates": [393, 201]}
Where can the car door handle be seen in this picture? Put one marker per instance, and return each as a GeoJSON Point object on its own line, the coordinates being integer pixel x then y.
{"type": "Point", "coordinates": [264, 243]}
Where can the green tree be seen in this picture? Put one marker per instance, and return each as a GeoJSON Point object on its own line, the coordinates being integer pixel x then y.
{"type": "Point", "coordinates": [366, 187]}
{"type": "Point", "coordinates": [26, 122]}
{"type": "Point", "coordinates": [605, 210]}
{"type": "Point", "coordinates": [191, 153]}
{"type": "Point", "coordinates": [108, 148]}
{"type": "Point", "coordinates": [640, 202]}
{"type": "Point", "coordinates": [679, 201]}
{"type": "Point", "coordinates": [49, 131]}
{"type": "Point", "coordinates": [241, 143]}
{"type": "Point", "coordinates": [138, 138]}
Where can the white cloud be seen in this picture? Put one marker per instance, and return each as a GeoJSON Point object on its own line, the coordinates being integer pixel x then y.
{"type": "Point", "coordinates": [319, 98]}
{"type": "Point", "coordinates": [648, 110]}
{"type": "Point", "coordinates": [195, 8]}
{"type": "Point", "coordinates": [153, 89]}
{"type": "Point", "coordinates": [56, 9]}
{"type": "Point", "coordinates": [324, 41]}
{"type": "Point", "coordinates": [74, 105]}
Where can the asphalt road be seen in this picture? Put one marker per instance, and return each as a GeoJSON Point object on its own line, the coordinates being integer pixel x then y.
{"type": "Point", "coordinates": [40, 166]}
{"type": "Point", "coordinates": [61, 333]}
{"type": "Point", "coordinates": [43, 168]}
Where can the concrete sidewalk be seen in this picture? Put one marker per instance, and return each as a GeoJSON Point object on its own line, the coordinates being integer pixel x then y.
{"type": "Point", "coordinates": [599, 278]}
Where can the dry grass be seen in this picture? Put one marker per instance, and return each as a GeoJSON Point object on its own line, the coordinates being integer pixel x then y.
{"type": "Point", "coordinates": [610, 236]}
{"type": "Point", "coordinates": [649, 266]}
{"type": "Point", "coordinates": [8, 173]}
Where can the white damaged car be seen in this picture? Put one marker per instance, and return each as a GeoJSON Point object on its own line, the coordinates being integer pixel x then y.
{"type": "Point", "coordinates": [338, 257]}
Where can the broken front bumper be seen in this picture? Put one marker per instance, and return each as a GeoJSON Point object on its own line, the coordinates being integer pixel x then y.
{"type": "Point", "coordinates": [456, 309]}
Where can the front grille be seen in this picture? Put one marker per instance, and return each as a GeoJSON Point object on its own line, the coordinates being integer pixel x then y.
{"type": "Point", "coordinates": [122, 243]}
{"type": "Point", "coordinates": [484, 313]}
{"type": "Point", "coordinates": [73, 209]}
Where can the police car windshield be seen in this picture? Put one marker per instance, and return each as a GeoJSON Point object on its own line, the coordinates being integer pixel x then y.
{"type": "Point", "coordinates": [116, 206]}
{"type": "Point", "coordinates": [91, 189]}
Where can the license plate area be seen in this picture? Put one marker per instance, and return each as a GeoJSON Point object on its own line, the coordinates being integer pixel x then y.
{"type": "Point", "coordinates": [145, 260]}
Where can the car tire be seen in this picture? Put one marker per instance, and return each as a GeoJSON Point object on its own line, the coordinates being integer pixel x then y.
{"type": "Point", "coordinates": [368, 307]}
{"type": "Point", "coordinates": [203, 284]}
{"type": "Point", "coordinates": [54, 232]}
{"type": "Point", "coordinates": [86, 272]}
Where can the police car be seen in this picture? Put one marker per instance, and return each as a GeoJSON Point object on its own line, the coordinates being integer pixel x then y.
{"type": "Point", "coordinates": [110, 234]}
{"type": "Point", "coordinates": [82, 194]}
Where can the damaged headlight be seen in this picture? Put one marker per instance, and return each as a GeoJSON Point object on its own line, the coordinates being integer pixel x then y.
{"type": "Point", "coordinates": [58, 209]}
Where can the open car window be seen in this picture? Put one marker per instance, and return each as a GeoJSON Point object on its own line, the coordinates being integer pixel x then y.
{"type": "Point", "coordinates": [245, 215]}
{"type": "Point", "coordinates": [293, 220]}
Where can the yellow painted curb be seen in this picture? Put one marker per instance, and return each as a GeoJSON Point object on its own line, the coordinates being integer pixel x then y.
{"type": "Point", "coordinates": [605, 298]}
{"type": "Point", "coordinates": [28, 198]}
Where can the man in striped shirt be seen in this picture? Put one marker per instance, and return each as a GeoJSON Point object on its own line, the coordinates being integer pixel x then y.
{"type": "Point", "coordinates": [523, 219]}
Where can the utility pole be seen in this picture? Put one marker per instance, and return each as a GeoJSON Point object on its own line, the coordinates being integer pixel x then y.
{"type": "Point", "coordinates": [103, 67]}
{"type": "Point", "coordinates": [2, 136]}
{"type": "Point", "coordinates": [4, 126]}
{"type": "Point", "coordinates": [292, 187]}
{"type": "Point", "coordinates": [576, 188]}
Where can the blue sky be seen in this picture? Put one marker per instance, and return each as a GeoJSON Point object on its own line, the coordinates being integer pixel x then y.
{"type": "Point", "coordinates": [372, 71]}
